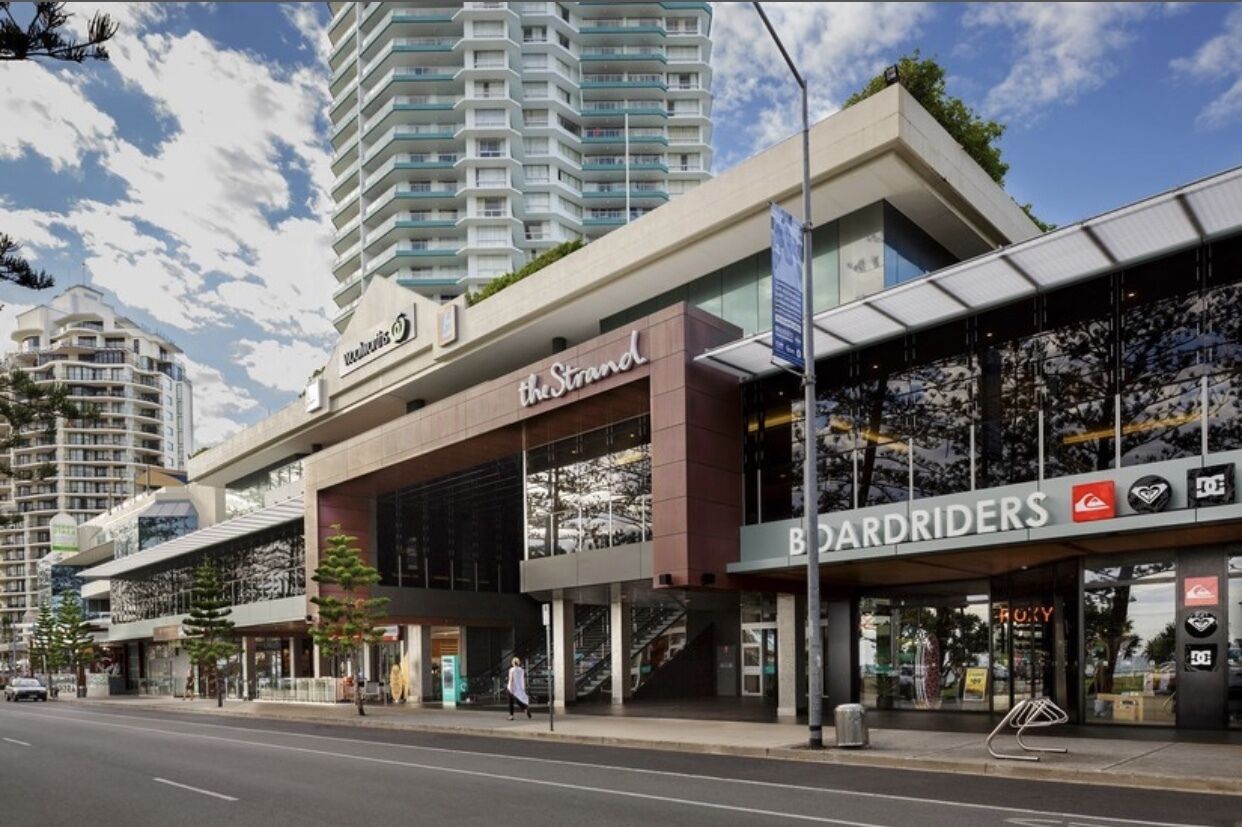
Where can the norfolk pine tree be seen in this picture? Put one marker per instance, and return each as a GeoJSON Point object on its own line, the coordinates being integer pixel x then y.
{"type": "Point", "coordinates": [45, 646]}
{"type": "Point", "coordinates": [347, 621]}
{"type": "Point", "coordinates": [77, 645]}
{"type": "Point", "coordinates": [208, 629]}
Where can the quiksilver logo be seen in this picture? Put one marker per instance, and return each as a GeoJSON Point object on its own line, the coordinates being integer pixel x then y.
{"type": "Point", "coordinates": [1090, 502]}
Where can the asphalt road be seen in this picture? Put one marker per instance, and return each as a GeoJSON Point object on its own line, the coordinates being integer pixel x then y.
{"type": "Point", "coordinates": [74, 765]}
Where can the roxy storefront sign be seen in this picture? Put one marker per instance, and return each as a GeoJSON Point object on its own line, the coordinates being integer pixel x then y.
{"type": "Point", "coordinates": [564, 378]}
{"type": "Point", "coordinates": [985, 516]}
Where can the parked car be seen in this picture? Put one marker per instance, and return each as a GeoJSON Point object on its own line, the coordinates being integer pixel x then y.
{"type": "Point", "coordinates": [25, 688]}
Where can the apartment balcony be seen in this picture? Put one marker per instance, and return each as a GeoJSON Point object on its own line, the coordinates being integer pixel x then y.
{"type": "Point", "coordinates": [394, 110]}
{"type": "Point", "coordinates": [409, 21]}
{"type": "Point", "coordinates": [403, 253]}
{"type": "Point", "coordinates": [618, 165]}
{"type": "Point", "coordinates": [622, 55]}
{"type": "Point", "coordinates": [622, 81]}
{"type": "Point", "coordinates": [437, 138]}
{"type": "Point", "coordinates": [612, 217]}
{"type": "Point", "coordinates": [649, 109]}
{"type": "Point", "coordinates": [433, 52]}
{"type": "Point", "coordinates": [428, 80]}
{"type": "Point", "coordinates": [635, 193]}
{"type": "Point", "coordinates": [617, 137]}
{"type": "Point", "coordinates": [649, 26]}
{"type": "Point", "coordinates": [420, 224]}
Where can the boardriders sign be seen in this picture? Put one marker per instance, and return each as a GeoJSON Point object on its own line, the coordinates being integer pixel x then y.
{"type": "Point", "coordinates": [564, 378]}
{"type": "Point", "coordinates": [983, 517]}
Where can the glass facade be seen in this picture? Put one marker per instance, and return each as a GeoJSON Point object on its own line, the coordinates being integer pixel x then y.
{"type": "Point", "coordinates": [460, 532]}
{"type": "Point", "coordinates": [144, 532]}
{"type": "Point", "coordinates": [854, 256]}
{"type": "Point", "coordinates": [1130, 639]}
{"type": "Point", "coordinates": [591, 491]}
{"type": "Point", "coordinates": [1128, 368]}
{"type": "Point", "coordinates": [247, 493]}
{"type": "Point", "coordinates": [266, 565]}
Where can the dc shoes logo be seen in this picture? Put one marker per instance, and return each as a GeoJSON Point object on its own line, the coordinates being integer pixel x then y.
{"type": "Point", "coordinates": [1200, 657]}
{"type": "Point", "coordinates": [1212, 485]}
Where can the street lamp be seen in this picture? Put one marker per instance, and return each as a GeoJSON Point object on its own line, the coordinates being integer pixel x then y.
{"type": "Point", "coordinates": [810, 498]}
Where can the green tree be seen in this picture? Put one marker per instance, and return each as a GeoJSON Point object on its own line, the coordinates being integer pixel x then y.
{"type": "Point", "coordinates": [77, 645]}
{"type": "Point", "coordinates": [45, 643]}
{"type": "Point", "coordinates": [978, 136]}
{"type": "Point", "coordinates": [347, 614]}
{"type": "Point", "coordinates": [208, 629]}
{"type": "Point", "coordinates": [14, 268]}
{"type": "Point", "coordinates": [44, 35]}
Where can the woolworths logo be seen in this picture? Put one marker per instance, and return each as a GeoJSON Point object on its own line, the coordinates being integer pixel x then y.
{"type": "Point", "coordinates": [401, 329]}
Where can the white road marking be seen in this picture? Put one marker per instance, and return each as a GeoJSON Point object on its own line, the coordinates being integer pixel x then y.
{"type": "Point", "coordinates": [611, 768]}
{"type": "Point", "coordinates": [15, 741]}
{"type": "Point", "coordinates": [194, 789]}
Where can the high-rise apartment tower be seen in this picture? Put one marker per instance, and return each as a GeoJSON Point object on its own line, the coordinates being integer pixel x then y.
{"type": "Point", "coordinates": [469, 137]}
{"type": "Point", "coordinates": [140, 431]}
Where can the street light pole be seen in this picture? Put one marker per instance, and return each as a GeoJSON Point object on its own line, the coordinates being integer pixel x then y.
{"type": "Point", "coordinates": [810, 487]}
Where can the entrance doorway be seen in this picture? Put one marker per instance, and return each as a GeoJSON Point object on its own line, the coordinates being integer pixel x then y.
{"type": "Point", "coordinates": [1034, 635]}
{"type": "Point", "coordinates": [759, 660]}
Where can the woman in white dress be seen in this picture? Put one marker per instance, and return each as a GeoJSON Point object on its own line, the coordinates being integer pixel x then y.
{"type": "Point", "coordinates": [517, 688]}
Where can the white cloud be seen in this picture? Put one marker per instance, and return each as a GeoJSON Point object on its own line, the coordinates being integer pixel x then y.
{"type": "Point", "coordinates": [1218, 58]}
{"type": "Point", "coordinates": [283, 366]}
{"type": "Point", "coordinates": [307, 19]}
{"type": "Point", "coordinates": [46, 114]}
{"type": "Point", "coordinates": [1062, 51]}
{"type": "Point", "coordinates": [30, 228]}
{"type": "Point", "coordinates": [218, 404]}
{"type": "Point", "coordinates": [837, 46]}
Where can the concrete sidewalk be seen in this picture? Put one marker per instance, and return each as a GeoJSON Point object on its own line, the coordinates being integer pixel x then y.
{"type": "Point", "coordinates": [1168, 765]}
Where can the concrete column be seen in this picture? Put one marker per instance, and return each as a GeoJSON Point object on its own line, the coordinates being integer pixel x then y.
{"type": "Point", "coordinates": [620, 626]}
{"type": "Point", "coordinates": [563, 650]}
{"type": "Point", "coordinates": [418, 662]}
{"type": "Point", "coordinates": [840, 648]}
{"type": "Point", "coordinates": [787, 655]}
{"type": "Point", "coordinates": [367, 671]}
{"type": "Point", "coordinates": [316, 666]}
{"type": "Point", "coordinates": [247, 665]}
{"type": "Point", "coordinates": [462, 667]}
{"type": "Point", "coordinates": [295, 667]}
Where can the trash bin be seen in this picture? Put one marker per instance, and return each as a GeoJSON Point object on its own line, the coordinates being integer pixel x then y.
{"type": "Point", "coordinates": [851, 725]}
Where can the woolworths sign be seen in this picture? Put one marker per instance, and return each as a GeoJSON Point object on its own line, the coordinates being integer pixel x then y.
{"type": "Point", "coordinates": [377, 341]}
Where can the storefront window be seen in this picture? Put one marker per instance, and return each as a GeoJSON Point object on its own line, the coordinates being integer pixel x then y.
{"type": "Point", "coordinates": [1235, 641]}
{"type": "Point", "coordinates": [592, 491]}
{"type": "Point", "coordinates": [1130, 637]}
{"type": "Point", "coordinates": [924, 652]}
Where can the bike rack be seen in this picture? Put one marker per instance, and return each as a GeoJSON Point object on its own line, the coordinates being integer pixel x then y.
{"type": "Point", "coordinates": [1029, 713]}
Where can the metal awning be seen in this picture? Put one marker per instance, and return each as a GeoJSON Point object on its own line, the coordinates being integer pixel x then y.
{"type": "Point", "coordinates": [171, 508]}
{"type": "Point", "coordinates": [1155, 226]}
{"type": "Point", "coordinates": [272, 515]}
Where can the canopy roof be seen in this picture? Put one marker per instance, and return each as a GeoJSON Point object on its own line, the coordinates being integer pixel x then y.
{"type": "Point", "coordinates": [1164, 223]}
{"type": "Point", "coordinates": [272, 515]}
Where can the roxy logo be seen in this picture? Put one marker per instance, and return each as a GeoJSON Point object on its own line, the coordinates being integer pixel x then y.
{"type": "Point", "coordinates": [1093, 501]}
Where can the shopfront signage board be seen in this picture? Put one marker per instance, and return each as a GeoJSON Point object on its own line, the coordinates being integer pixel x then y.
{"type": "Point", "coordinates": [787, 290]}
{"type": "Point", "coordinates": [985, 516]}
{"type": "Point", "coordinates": [1094, 501]}
{"type": "Point", "coordinates": [1150, 494]}
{"type": "Point", "coordinates": [976, 686]}
{"type": "Point", "coordinates": [1208, 486]}
{"type": "Point", "coordinates": [377, 341]}
{"type": "Point", "coordinates": [563, 378]}
{"type": "Point", "coordinates": [1201, 591]}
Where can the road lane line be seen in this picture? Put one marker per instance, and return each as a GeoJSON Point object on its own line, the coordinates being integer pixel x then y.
{"type": "Point", "coordinates": [194, 789]}
{"type": "Point", "coordinates": [634, 770]}
{"type": "Point", "coordinates": [15, 741]}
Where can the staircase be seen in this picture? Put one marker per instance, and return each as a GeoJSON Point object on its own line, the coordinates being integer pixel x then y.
{"type": "Point", "coordinates": [649, 623]}
{"type": "Point", "coordinates": [592, 654]}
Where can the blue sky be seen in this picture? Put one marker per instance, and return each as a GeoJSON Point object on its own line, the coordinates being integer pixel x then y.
{"type": "Point", "coordinates": [186, 178]}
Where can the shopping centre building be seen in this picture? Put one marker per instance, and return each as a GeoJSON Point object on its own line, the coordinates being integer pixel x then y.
{"type": "Point", "coordinates": [1027, 450]}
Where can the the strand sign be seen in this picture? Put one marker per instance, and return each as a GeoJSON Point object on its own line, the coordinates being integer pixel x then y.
{"type": "Point", "coordinates": [1009, 513]}
{"type": "Point", "coordinates": [565, 378]}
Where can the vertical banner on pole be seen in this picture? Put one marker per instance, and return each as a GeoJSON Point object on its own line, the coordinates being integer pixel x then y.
{"type": "Point", "coordinates": [787, 290]}
{"type": "Point", "coordinates": [448, 680]}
